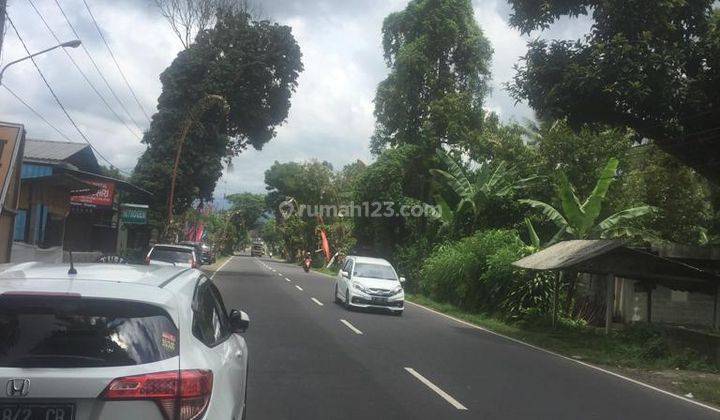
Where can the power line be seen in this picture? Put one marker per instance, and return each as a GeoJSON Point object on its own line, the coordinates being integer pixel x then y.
{"type": "Point", "coordinates": [37, 114]}
{"type": "Point", "coordinates": [89, 82]}
{"type": "Point", "coordinates": [57, 99]}
{"type": "Point", "coordinates": [97, 67]}
{"type": "Point", "coordinates": [112, 55]}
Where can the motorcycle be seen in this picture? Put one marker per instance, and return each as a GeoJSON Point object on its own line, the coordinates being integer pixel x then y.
{"type": "Point", "coordinates": [307, 262]}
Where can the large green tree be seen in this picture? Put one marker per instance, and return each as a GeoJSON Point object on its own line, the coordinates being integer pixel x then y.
{"type": "Point", "coordinates": [254, 66]}
{"type": "Point", "coordinates": [246, 209]}
{"type": "Point", "coordinates": [652, 66]}
{"type": "Point", "coordinates": [683, 197]}
{"type": "Point", "coordinates": [439, 63]}
{"type": "Point", "coordinates": [309, 184]}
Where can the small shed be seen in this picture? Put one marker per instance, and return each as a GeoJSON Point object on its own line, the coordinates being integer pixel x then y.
{"type": "Point", "coordinates": [613, 258]}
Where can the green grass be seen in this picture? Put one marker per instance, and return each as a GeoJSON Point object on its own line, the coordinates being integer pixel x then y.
{"type": "Point", "coordinates": [328, 271]}
{"type": "Point", "coordinates": [703, 390]}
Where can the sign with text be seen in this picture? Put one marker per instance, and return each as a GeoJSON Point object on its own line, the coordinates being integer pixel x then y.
{"type": "Point", "coordinates": [134, 214]}
{"type": "Point", "coordinates": [102, 198]}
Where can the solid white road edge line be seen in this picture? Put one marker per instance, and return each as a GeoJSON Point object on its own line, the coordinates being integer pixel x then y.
{"type": "Point", "coordinates": [221, 267]}
{"type": "Point", "coordinates": [351, 326]}
{"type": "Point", "coordinates": [447, 397]}
{"type": "Point", "coordinates": [317, 301]}
{"type": "Point", "coordinates": [299, 288]}
{"type": "Point", "coordinates": [588, 365]}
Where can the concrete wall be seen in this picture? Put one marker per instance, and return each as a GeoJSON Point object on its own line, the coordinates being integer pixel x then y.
{"type": "Point", "coordinates": [668, 306]}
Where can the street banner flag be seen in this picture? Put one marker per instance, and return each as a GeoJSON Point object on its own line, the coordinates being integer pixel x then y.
{"type": "Point", "coordinates": [325, 245]}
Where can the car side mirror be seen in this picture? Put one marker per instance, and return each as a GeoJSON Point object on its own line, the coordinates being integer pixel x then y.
{"type": "Point", "coordinates": [402, 279]}
{"type": "Point", "coordinates": [345, 274]}
{"type": "Point", "coordinates": [239, 321]}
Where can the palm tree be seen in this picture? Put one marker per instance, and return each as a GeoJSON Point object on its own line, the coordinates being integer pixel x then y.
{"type": "Point", "coordinates": [579, 221]}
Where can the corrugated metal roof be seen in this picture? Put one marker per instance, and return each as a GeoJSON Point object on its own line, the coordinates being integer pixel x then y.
{"type": "Point", "coordinates": [51, 150]}
{"type": "Point", "coordinates": [566, 254]}
{"type": "Point", "coordinates": [612, 257]}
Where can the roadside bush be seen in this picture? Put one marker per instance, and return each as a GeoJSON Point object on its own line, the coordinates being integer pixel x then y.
{"type": "Point", "coordinates": [408, 260]}
{"type": "Point", "coordinates": [476, 273]}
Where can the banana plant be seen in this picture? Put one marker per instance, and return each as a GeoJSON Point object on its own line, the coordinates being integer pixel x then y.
{"type": "Point", "coordinates": [488, 182]}
{"type": "Point", "coordinates": [579, 219]}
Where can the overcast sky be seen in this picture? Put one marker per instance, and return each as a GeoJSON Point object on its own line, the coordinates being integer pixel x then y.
{"type": "Point", "coordinates": [331, 114]}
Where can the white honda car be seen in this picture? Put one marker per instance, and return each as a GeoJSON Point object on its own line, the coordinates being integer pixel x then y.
{"type": "Point", "coordinates": [369, 283]}
{"type": "Point", "coordinates": [118, 342]}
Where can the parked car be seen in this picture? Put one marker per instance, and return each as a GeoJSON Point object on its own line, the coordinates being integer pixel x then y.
{"type": "Point", "coordinates": [176, 255]}
{"type": "Point", "coordinates": [369, 283]}
{"type": "Point", "coordinates": [198, 246]}
{"type": "Point", "coordinates": [118, 342]}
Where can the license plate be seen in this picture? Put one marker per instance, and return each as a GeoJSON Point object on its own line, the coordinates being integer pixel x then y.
{"type": "Point", "coordinates": [31, 411]}
{"type": "Point", "coordinates": [382, 300]}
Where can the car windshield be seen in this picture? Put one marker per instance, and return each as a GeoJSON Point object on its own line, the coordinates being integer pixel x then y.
{"type": "Point", "coordinates": [39, 331]}
{"type": "Point", "coordinates": [171, 255]}
{"type": "Point", "coordinates": [374, 271]}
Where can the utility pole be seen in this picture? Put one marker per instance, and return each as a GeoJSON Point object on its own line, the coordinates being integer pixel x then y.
{"type": "Point", "coordinates": [3, 10]}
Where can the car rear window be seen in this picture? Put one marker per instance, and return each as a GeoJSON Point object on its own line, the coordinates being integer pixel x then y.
{"type": "Point", "coordinates": [59, 331]}
{"type": "Point", "coordinates": [171, 255]}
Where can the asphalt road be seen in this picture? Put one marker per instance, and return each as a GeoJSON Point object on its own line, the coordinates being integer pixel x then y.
{"type": "Point", "coordinates": [312, 359]}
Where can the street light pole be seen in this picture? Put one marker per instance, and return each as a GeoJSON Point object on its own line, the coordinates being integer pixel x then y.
{"type": "Point", "coordinates": [3, 10]}
{"type": "Point", "coordinates": [70, 44]}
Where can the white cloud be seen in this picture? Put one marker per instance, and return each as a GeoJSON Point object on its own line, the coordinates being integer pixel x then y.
{"type": "Point", "coordinates": [331, 117]}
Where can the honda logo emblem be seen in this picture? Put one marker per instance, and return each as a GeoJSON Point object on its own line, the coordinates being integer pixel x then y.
{"type": "Point", "coordinates": [18, 387]}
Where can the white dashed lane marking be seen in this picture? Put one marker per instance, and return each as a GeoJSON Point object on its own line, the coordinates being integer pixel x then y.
{"type": "Point", "coordinates": [351, 326]}
{"type": "Point", "coordinates": [447, 397]}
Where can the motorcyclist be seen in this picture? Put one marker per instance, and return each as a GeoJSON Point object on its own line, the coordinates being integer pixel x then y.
{"type": "Point", "coordinates": [307, 262]}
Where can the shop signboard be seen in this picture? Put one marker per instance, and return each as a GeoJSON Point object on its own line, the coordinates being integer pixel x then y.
{"type": "Point", "coordinates": [133, 214]}
{"type": "Point", "coordinates": [102, 198]}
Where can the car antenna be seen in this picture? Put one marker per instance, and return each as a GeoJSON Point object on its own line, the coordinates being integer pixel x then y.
{"type": "Point", "coordinates": [72, 269]}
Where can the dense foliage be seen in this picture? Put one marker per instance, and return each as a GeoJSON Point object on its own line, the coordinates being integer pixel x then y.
{"type": "Point", "coordinates": [475, 273]}
{"type": "Point", "coordinates": [594, 165]}
{"type": "Point", "coordinates": [653, 67]}
{"type": "Point", "coordinates": [254, 66]}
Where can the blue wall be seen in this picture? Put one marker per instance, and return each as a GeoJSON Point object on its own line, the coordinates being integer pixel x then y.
{"type": "Point", "coordinates": [30, 170]}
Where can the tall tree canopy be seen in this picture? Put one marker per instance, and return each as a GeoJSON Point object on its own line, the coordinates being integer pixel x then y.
{"type": "Point", "coordinates": [440, 66]}
{"type": "Point", "coordinates": [254, 65]}
{"type": "Point", "coordinates": [652, 66]}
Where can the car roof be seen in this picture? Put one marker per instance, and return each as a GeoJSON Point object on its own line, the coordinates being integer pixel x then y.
{"type": "Point", "coordinates": [179, 247]}
{"type": "Point", "coordinates": [369, 260]}
{"type": "Point", "coordinates": [165, 286]}
{"type": "Point", "coordinates": [150, 275]}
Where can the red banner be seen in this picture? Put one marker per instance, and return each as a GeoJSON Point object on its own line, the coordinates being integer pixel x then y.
{"type": "Point", "coordinates": [103, 197]}
{"type": "Point", "coordinates": [325, 244]}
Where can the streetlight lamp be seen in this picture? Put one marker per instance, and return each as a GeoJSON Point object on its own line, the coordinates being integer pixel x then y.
{"type": "Point", "coordinates": [70, 44]}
